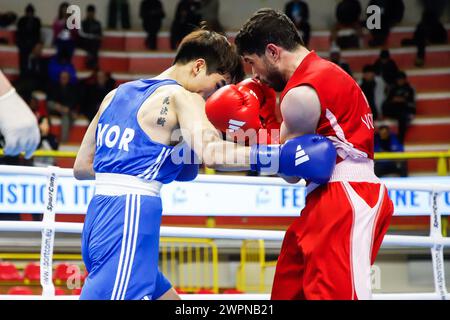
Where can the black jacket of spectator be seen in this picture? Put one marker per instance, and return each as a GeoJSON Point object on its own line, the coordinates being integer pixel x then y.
{"type": "Point", "coordinates": [65, 95]}
{"type": "Point", "coordinates": [405, 92]}
{"type": "Point", "coordinates": [391, 13]}
{"type": "Point", "coordinates": [27, 36]}
{"type": "Point", "coordinates": [119, 8]}
{"type": "Point", "coordinates": [187, 18]}
{"type": "Point", "coordinates": [368, 87]}
{"type": "Point", "coordinates": [152, 13]}
{"type": "Point", "coordinates": [298, 12]}
{"type": "Point", "coordinates": [95, 88]}
{"type": "Point", "coordinates": [91, 29]}
{"type": "Point", "coordinates": [348, 12]}
{"type": "Point", "coordinates": [7, 19]}
{"type": "Point", "coordinates": [28, 32]}
{"type": "Point", "coordinates": [386, 68]}
{"type": "Point", "coordinates": [90, 37]}
{"type": "Point", "coordinates": [400, 104]}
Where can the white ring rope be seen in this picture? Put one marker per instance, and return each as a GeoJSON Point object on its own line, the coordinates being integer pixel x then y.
{"type": "Point", "coordinates": [435, 241]}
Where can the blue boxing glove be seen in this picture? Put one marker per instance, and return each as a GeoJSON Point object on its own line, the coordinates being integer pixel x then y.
{"type": "Point", "coordinates": [311, 157]}
{"type": "Point", "coordinates": [190, 169]}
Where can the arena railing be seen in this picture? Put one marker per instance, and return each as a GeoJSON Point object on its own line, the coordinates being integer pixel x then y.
{"type": "Point", "coordinates": [435, 241]}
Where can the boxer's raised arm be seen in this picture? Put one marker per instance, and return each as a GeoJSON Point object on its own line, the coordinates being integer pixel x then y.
{"type": "Point", "coordinates": [83, 168]}
{"type": "Point", "coordinates": [202, 137]}
{"type": "Point", "coordinates": [300, 109]}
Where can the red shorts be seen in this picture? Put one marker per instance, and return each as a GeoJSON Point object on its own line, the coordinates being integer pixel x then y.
{"type": "Point", "coordinates": [328, 251]}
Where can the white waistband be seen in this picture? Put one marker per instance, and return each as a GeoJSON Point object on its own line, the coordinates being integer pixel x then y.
{"type": "Point", "coordinates": [113, 184]}
{"type": "Point", "coordinates": [352, 170]}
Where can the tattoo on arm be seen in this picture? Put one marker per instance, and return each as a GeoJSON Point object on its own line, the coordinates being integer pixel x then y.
{"type": "Point", "coordinates": [161, 121]}
{"type": "Point", "coordinates": [164, 110]}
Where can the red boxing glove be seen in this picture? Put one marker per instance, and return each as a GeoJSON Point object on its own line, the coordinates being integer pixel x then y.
{"type": "Point", "coordinates": [267, 98]}
{"type": "Point", "coordinates": [234, 110]}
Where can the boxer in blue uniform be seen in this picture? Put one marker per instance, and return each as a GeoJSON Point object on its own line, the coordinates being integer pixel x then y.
{"type": "Point", "coordinates": [134, 145]}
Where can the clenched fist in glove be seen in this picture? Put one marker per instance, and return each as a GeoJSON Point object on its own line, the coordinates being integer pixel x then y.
{"type": "Point", "coordinates": [245, 112]}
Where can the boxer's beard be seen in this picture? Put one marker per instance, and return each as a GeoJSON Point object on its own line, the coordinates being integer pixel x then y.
{"type": "Point", "coordinates": [274, 78]}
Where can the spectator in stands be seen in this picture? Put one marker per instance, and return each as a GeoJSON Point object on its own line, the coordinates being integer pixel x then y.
{"type": "Point", "coordinates": [298, 12]}
{"type": "Point", "coordinates": [63, 101]}
{"type": "Point", "coordinates": [119, 9]}
{"type": "Point", "coordinates": [348, 13]}
{"type": "Point", "coordinates": [386, 141]}
{"type": "Point", "coordinates": [335, 57]}
{"type": "Point", "coordinates": [400, 104]}
{"type": "Point", "coordinates": [152, 13]}
{"type": "Point", "coordinates": [373, 88]}
{"type": "Point", "coordinates": [429, 31]}
{"type": "Point", "coordinates": [209, 12]}
{"type": "Point", "coordinates": [59, 63]}
{"type": "Point", "coordinates": [187, 19]}
{"type": "Point", "coordinates": [90, 37]}
{"type": "Point", "coordinates": [386, 67]}
{"type": "Point", "coordinates": [391, 13]}
{"type": "Point", "coordinates": [27, 35]}
{"type": "Point", "coordinates": [7, 19]}
{"type": "Point", "coordinates": [95, 88]}
{"type": "Point", "coordinates": [63, 38]}
{"type": "Point", "coordinates": [36, 75]}
{"type": "Point", "coordinates": [48, 142]}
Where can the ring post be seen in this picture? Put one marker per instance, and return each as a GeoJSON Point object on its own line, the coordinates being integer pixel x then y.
{"type": "Point", "coordinates": [437, 251]}
{"type": "Point", "coordinates": [48, 234]}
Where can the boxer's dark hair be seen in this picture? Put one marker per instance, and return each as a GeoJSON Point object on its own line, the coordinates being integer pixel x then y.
{"type": "Point", "coordinates": [264, 27]}
{"type": "Point", "coordinates": [219, 54]}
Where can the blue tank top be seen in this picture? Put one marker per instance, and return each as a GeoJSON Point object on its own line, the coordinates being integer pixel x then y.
{"type": "Point", "coordinates": [123, 147]}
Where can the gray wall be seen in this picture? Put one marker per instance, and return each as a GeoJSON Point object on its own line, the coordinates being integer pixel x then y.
{"type": "Point", "coordinates": [233, 13]}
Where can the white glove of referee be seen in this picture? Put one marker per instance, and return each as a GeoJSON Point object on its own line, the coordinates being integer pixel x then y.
{"type": "Point", "coordinates": [18, 125]}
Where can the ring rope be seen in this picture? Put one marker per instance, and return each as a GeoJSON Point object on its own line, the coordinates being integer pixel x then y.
{"type": "Point", "coordinates": [435, 241]}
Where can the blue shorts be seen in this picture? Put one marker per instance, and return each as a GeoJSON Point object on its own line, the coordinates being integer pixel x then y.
{"type": "Point", "coordinates": [120, 248]}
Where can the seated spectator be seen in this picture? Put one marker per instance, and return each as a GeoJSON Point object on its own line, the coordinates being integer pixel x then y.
{"type": "Point", "coordinates": [429, 31]}
{"type": "Point", "coordinates": [187, 19]}
{"type": "Point", "coordinates": [385, 141]}
{"type": "Point", "coordinates": [63, 38]}
{"type": "Point", "coordinates": [28, 34]}
{"type": "Point", "coordinates": [119, 9]}
{"type": "Point", "coordinates": [152, 13]}
{"type": "Point", "coordinates": [48, 142]}
{"type": "Point", "coordinates": [373, 88]}
{"type": "Point", "coordinates": [63, 101]}
{"type": "Point", "coordinates": [335, 57]}
{"type": "Point", "coordinates": [7, 19]}
{"type": "Point", "coordinates": [95, 88]}
{"type": "Point", "coordinates": [391, 13]}
{"type": "Point", "coordinates": [36, 76]}
{"type": "Point", "coordinates": [209, 11]}
{"type": "Point", "coordinates": [298, 12]}
{"type": "Point", "coordinates": [348, 14]}
{"type": "Point", "coordinates": [59, 63]}
{"type": "Point", "coordinates": [90, 37]}
{"type": "Point", "coordinates": [400, 104]}
{"type": "Point", "coordinates": [386, 67]}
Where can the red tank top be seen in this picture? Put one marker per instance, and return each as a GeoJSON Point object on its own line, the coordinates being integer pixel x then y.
{"type": "Point", "coordinates": [346, 118]}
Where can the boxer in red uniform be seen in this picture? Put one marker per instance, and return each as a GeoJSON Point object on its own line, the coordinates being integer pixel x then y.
{"type": "Point", "coordinates": [328, 251]}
